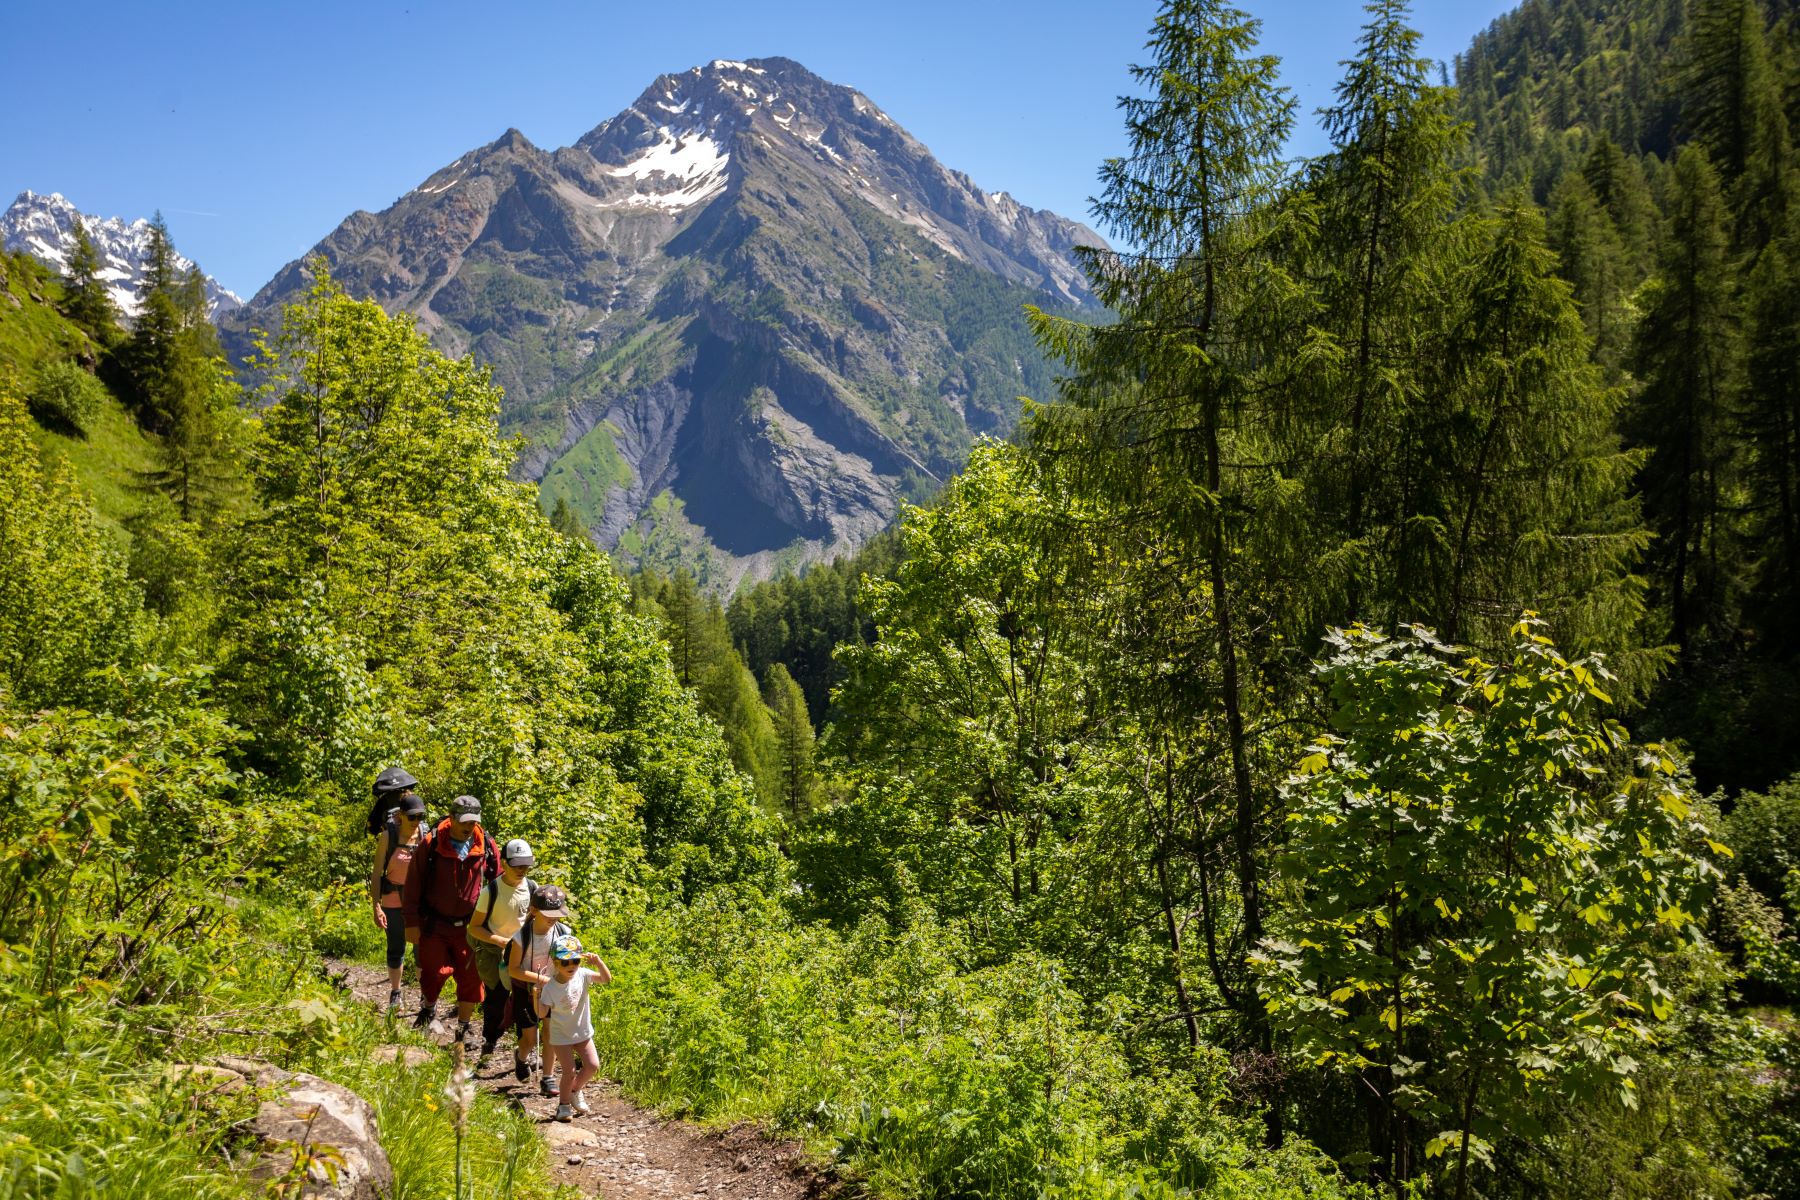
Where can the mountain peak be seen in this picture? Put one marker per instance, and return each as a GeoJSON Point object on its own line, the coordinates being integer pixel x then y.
{"type": "Point", "coordinates": [43, 226]}
{"type": "Point", "coordinates": [512, 139]}
{"type": "Point", "coordinates": [743, 319]}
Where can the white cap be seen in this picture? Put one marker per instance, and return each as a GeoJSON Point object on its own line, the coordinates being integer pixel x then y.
{"type": "Point", "coordinates": [517, 853]}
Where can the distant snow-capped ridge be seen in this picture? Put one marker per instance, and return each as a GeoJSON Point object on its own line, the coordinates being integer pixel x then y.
{"type": "Point", "coordinates": [44, 227]}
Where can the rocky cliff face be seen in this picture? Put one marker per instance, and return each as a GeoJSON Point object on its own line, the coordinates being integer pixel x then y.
{"type": "Point", "coordinates": [738, 323]}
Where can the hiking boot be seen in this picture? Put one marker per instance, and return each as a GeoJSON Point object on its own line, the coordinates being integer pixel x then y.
{"type": "Point", "coordinates": [547, 1085]}
{"type": "Point", "coordinates": [487, 1052]}
{"type": "Point", "coordinates": [462, 1034]}
{"type": "Point", "coordinates": [564, 1113]}
{"type": "Point", "coordinates": [521, 1068]}
{"type": "Point", "coordinates": [426, 1016]}
{"type": "Point", "coordinates": [393, 1003]}
{"type": "Point", "coordinates": [581, 1104]}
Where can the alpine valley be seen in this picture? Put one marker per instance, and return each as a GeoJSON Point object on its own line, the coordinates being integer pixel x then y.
{"type": "Point", "coordinates": [737, 324]}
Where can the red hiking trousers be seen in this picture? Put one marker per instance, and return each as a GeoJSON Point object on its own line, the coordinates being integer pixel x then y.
{"type": "Point", "coordinates": [444, 953]}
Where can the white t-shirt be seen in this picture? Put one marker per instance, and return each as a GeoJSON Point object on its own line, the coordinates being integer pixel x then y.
{"type": "Point", "coordinates": [511, 907]}
{"type": "Point", "coordinates": [571, 1023]}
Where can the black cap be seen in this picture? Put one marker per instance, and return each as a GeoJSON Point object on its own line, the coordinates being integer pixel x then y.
{"type": "Point", "coordinates": [394, 779]}
{"type": "Point", "coordinates": [551, 900]}
{"type": "Point", "coordinates": [411, 805]}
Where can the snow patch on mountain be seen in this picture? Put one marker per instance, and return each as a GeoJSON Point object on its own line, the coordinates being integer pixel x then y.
{"type": "Point", "coordinates": [44, 227]}
{"type": "Point", "coordinates": [694, 163]}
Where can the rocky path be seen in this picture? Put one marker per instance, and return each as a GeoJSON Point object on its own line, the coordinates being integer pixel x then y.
{"type": "Point", "coordinates": [623, 1152]}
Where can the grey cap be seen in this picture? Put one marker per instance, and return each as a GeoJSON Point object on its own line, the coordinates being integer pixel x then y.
{"type": "Point", "coordinates": [517, 853]}
{"type": "Point", "coordinates": [465, 808]}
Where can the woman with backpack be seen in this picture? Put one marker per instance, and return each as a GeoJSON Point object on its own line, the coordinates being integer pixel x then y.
{"type": "Point", "coordinates": [402, 831]}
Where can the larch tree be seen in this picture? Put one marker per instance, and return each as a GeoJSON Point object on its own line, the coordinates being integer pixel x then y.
{"type": "Point", "coordinates": [1160, 428]}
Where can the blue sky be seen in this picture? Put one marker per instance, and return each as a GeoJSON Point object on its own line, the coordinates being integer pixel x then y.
{"type": "Point", "coordinates": [257, 126]}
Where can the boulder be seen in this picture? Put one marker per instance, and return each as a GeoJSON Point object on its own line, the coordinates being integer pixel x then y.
{"type": "Point", "coordinates": [324, 1125]}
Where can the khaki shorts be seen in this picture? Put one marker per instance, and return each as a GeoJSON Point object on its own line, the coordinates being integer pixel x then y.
{"type": "Point", "coordinates": [487, 962]}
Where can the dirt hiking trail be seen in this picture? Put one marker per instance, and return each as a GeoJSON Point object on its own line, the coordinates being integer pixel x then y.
{"type": "Point", "coordinates": [624, 1152]}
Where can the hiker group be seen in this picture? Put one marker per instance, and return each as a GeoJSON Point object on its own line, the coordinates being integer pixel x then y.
{"type": "Point", "coordinates": [472, 912]}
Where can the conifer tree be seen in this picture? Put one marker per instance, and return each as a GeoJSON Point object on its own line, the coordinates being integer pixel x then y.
{"type": "Point", "coordinates": [1687, 357]}
{"type": "Point", "coordinates": [1535, 503]}
{"type": "Point", "coordinates": [1618, 185]}
{"type": "Point", "coordinates": [1771, 424]}
{"type": "Point", "coordinates": [1734, 106]}
{"type": "Point", "coordinates": [90, 303]}
{"type": "Point", "coordinates": [1593, 259]}
{"type": "Point", "coordinates": [794, 732]}
{"type": "Point", "coordinates": [1386, 195]}
{"type": "Point", "coordinates": [564, 520]}
{"type": "Point", "coordinates": [1157, 424]}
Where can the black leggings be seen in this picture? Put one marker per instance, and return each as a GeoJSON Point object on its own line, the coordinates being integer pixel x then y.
{"type": "Point", "coordinates": [396, 936]}
{"type": "Point", "coordinates": [493, 1013]}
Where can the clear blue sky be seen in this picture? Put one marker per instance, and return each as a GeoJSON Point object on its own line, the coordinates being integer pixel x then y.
{"type": "Point", "coordinates": [257, 126]}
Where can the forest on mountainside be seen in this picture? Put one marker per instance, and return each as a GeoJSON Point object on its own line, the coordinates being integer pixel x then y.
{"type": "Point", "coordinates": [1343, 745]}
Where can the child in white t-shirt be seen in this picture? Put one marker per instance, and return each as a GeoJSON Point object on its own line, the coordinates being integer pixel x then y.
{"type": "Point", "coordinates": [563, 1003]}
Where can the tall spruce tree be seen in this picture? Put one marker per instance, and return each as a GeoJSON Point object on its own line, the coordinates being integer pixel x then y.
{"type": "Point", "coordinates": [1593, 258]}
{"type": "Point", "coordinates": [1687, 359]}
{"type": "Point", "coordinates": [1534, 503]}
{"type": "Point", "coordinates": [90, 303]}
{"type": "Point", "coordinates": [1771, 426]}
{"type": "Point", "coordinates": [1733, 105]}
{"type": "Point", "coordinates": [794, 733]}
{"type": "Point", "coordinates": [1386, 196]}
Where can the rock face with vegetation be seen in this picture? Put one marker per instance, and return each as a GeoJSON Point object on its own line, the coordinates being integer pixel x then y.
{"type": "Point", "coordinates": [748, 313]}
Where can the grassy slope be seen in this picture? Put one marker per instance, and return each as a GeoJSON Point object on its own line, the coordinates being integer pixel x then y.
{"type": "Point", "coordinates": [114, 454]}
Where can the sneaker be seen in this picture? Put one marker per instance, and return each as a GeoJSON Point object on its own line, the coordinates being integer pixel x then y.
{"type": "Point", "coordinates": [521, 1068]}
{"type": "Point", "coordinates": [581, 1104]}
{"type": "Point", "coordinates": [547, 1085]}
{"type": "Point", "coordinates": [487, 1051]}
{"type": "Point", "coordinates": [426, 1016]}
{"type": "Point", "coordinates": [462, 1033]}
{"type": "Point", "coordinates": [564, 1113]}
{"type": "Point", "coordinates": [393, 1003]}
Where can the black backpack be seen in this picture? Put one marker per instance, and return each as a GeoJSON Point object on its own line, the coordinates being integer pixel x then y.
{"type": "Point", "coordinates": [388, 787]}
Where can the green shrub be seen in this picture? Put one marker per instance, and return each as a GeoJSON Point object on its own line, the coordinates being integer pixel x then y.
{"type": "Point", "coordinates": [64, 394]}
{"type": "Point", "coordinates": [1763, 831]}
{"type": "Point", "coordinates": [920, 1078]}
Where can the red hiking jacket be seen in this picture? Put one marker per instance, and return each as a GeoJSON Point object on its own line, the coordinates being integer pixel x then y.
{"type": "Point", "coordinates": [439, 886]}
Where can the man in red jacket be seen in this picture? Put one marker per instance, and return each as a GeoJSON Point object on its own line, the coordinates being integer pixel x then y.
{"type": "Point", "coordinates": [449, 869]}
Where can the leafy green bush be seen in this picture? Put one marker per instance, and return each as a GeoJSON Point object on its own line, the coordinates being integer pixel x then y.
{"type": "Point", "coordinates": [65, 394]}
{"type": "Point", "coordinates": [1763, 831]}
{"type": "Point", "coordinates": [921, 1078]}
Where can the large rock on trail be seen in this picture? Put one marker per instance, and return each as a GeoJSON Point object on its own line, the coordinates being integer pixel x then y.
{"type": "Point", "coordinates": [323, 1125]}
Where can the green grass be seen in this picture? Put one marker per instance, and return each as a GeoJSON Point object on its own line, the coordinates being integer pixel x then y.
{"type": "Point", "coordinates": [93, 1105]}
{"type": "Point", "coordinates": [586, 475]}
{"type": "Point", "coordinates": [110, 461]}
{"type": "Point", "coordinates": [31, 329]}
